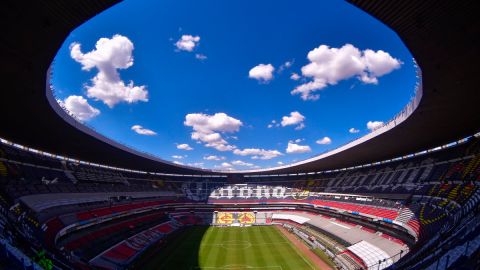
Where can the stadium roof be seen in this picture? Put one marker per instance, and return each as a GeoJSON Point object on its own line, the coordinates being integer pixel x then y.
{"type": "Point", "coordinates": [443, 36]}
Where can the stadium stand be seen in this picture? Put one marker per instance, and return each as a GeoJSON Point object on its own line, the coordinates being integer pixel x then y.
{"type": "Point", "coordinates": [444, 186]}
{"type": "Point", "coordinates": [104, 215]}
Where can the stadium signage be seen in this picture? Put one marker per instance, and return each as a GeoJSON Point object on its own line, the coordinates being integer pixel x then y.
{"type": "Point", "coordinates": [200, 191]}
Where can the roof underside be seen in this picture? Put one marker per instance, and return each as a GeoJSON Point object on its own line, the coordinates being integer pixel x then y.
{"type": "Point", "coordinates": [443, 37]}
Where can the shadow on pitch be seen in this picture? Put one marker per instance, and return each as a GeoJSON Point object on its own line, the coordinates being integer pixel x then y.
{"type": "Point", "coordinates": [179, 251]}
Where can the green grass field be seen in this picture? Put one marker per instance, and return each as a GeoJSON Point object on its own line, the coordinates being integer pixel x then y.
{"type": "Point", "coordinates": [229, 248]}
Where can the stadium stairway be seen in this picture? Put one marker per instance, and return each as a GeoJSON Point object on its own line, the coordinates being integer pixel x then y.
{"type": "Point", "coordinates": [405, 215]}
{"type": "Point", "coordinates": [426, 173]}
{"type": "Point", "coordinates": [71, 177]}
{"type": "Point", "coordinates": [471, 167]}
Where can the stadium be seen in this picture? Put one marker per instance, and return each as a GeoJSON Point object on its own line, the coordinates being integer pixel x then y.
{"type": "Point", "coordinates": [404, 196]}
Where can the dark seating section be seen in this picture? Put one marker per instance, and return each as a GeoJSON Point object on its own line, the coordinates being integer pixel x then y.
{"type": "Point", "coordinates": [120, 253]}
{"type": "Point", "coordinates": [24, 173]}
{"type": "Point", "coordinates": [52, 228]}
{"type": "Point", "coordinates": [97, 213]}
{"type": "Point", "coordinates": [188, 219]}
{"type": "Point", "coordinates": [123, 253]}
{"type": "Point", "coordinates": [99, 239]}
{"type": "Point", "coordinates": [428, 194]}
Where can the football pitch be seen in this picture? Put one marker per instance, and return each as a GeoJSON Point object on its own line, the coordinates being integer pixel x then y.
{"type": "Point", "coordinates": [230, 248]}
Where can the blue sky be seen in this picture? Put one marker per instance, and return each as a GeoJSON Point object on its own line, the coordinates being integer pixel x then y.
{"type": "Point", "coordinates": [213, 75]}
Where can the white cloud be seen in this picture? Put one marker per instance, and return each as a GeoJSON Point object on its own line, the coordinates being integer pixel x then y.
{"type": "Point", "coordinates": [305, 89]}
{"type": "Point", "coordinates": [262, 72]}
{"type": "Point", "coordinates": [324, 140]}
{"type": "Point", "coordinates": [242, 163]}
{"type": "Point", "coordinates": [178, 162]}
{"type": "Point", "coordinates": [300, 127]}
{"type": "Point", "coordinates": [79, 107]}
{"type": "Point", "coordinates": [221, 147]}
{"type": "Point", "coordinates": [294, 148]}
{"type": "Point", "coordinates": [200, 56]}
{"type": "Point", "coordinates": [353, 130]}
{"type": "Point", "coordinates": [207, 129]}
{"type": "Point", "coordinates": [285, 65]}
{"type": "Point", "coordinates": [108, 56]}
{"type": "Point", "coordinates": [177, 157]}
{"type": "Point", "coordinates": [184, 146]}
{"type": "Point", "coordinates": [295, 118]}
{"type": "Point", "coordinates": [225, 166]}
{"type": "Point", "coordinates": [196, 164]}
{"type": "Point", "coordinates": [328, 66]}
{"type": "Point", "coordinates": [219, 122]}
{"type": "Point", "coordinates": [187, 43]}
{"type": "Point", "coordinates": [143, 131]}
{"type": "Point", "coordinates": [258, 153]}
{"type": "Point", "coordinates": [280, 163]}
{"type": "Point", "coordinates": [372, 125]}
{"type": "Point", "coordinates": [273, 124]}
{"type": "Point", "coordinates": [213, 157]}
{"type": "Point", "coordinates": [295, 76]}
{"type": "Point", "coordinates": [379, 63]}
